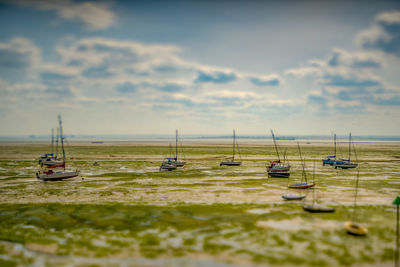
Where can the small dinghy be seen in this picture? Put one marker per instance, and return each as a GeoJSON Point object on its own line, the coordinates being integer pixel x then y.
{"type": "Point", "coordinates": [278, 174]}
{"type": "Point", "coordinates": [301, 186]}
{"type": "Point", "coordinates": [293, 197]}
{"type": "Point", "coordinates": [316, 208]}
{"type": "Point", "coordinates": [230, 162]}
{"type": "Point", "coordinates": [355, 229]}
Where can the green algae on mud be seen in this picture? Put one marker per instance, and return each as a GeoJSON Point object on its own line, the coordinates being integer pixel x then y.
{"type": "Point", "coordinates": [167, 231]}
{"type": "Point", "coordinates": [125, 207]}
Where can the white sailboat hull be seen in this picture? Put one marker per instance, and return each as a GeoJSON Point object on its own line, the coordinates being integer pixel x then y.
{"type": "Point", "coordinates": [58, 175]}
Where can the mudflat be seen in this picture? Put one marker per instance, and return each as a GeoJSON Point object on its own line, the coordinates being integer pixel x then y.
{"type": "Point", "coordinates": [124, 211]}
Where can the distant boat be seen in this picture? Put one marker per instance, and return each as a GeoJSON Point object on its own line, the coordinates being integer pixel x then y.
{"type": "Point", "coordinates": [173, 161]}
{"type": "Point", "coordinates": [352, 227]}
{"type": "Point", "coordinates": [314, 207]}
{"type": "Point", "coordinates": [48, 174]}
{"type": "Point", "coordinates": [346, 163]}
{"type": "Point", "coordinates": [331, 160]}
{"type": "Point", "coordinates": [231, 160]}
{"type": "Point", "coordinates": [277, 168]}
{"type": "Point", "coordinates": [50, 159]}
{"type": "Point", "coordinates": [305, 184]}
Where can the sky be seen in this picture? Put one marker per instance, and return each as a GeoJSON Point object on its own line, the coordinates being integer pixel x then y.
{"type": "Point", "coordinates": [203, 67]}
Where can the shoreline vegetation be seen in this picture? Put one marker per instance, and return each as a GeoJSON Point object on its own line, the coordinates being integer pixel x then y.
{"type": "Point", "coordinates": [125, 211]}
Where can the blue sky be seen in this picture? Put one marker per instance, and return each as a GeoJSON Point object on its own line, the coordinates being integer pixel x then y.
{"type": "Point", "coordinates": [204, 67]}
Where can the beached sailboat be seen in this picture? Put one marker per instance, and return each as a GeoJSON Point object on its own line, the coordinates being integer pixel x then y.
{"type": "Point", "coordinates": [305, 184]}
{"type": "Point", "coordinates": [346, 163]}
{"type": "Point", "coordinates": [168, 164]}
{"type": "Point", "coordinates": [315, 207]}
{"type": "Point", "coordinates": [49, 173]}
{"type": "Point", "coordinates": [331, 160]}
{"type": "Point", "coordinates": [171, 161]}
{"type": "Point", "coordinates": [292, 196]}
{"type": "Point", "coordinates": [231, 160]}
{"type": "Point", "coordinates": [277, 168]}
{"type": "Point", "coordinates": [50, 159]}
{"type": "Point", "coordinates": [352, 227]}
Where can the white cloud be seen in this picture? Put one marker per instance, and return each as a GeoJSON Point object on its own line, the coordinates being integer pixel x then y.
{"type": "Point", "coordinates": [383, 35]}
{"type": "Point", "coordinates": [94, 15]}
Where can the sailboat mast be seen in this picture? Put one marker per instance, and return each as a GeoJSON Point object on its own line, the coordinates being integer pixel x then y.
{"type": "Point", "coordinates": [58, 135]}
{"type": "Point", "coordinates": [349, 145]}
{"type": "Point", "coordinates": [313, 183]}
{"type": "Point", "coordinates": [52, 142]}
{"type": "Point", "coordinates": [276, 147]}
{"type": "Point", "coordinates": [301, 159]}
{"type": "Point", "coordinates": [233, 150]}
{"type": "Point", "coordinates": [334, 138]}
{"type": "Point", "coordinates": [176, 144]}
{"type": "Point", "coordinates": [355, 196]}
{"type": "Point", "coordinates": [61, 138]}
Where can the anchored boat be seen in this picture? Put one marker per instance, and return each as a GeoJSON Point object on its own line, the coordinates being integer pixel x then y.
{"type": "Point", "coordinates": [352, 227]}
{"type": "Point", "coordinates": [231, 160]}
{"type": "Point", "coordinates": [172, 162]}
{"type": "Point", "coordinates": [277, 168]}
{"type": "Point", "coordinates": [346, 163]}
{"type": "Point", "coordinates": [50, 173]}
{"type": "Point", "coordinates": [305, 184]}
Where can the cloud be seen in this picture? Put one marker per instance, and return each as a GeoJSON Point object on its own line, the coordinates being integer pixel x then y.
{"type": "Point", "coordinates": [18, 54]}
{"type": "Point", "coordinates": [267, 81]}
{"type": "Point", "coordinates": [171, 87]}
{"type": "Point", "coordinates": [97, 72]}
{"type": "Point", "coordinates": [383, 35]}
{"type": "Point", "coordinates": [342, 81]}
{"type": "Point", "coordinates": [316, 99]}
{"type": "Point", "coordinates": [94, 15]}
{"type": "Point", "coordinates": [126, 88]}
{"type": "Point", "coordinates": [215, 77]}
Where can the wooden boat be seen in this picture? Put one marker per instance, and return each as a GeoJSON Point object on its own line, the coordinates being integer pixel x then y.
{"type": "Point", "coordinates": [316, 208]}
{"type": "Point", "coordinates": [48, 174]}
{"type": "Point", "coordinates": [353, 228]}
{"type": "Point", "coordinates": [231, 160]}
